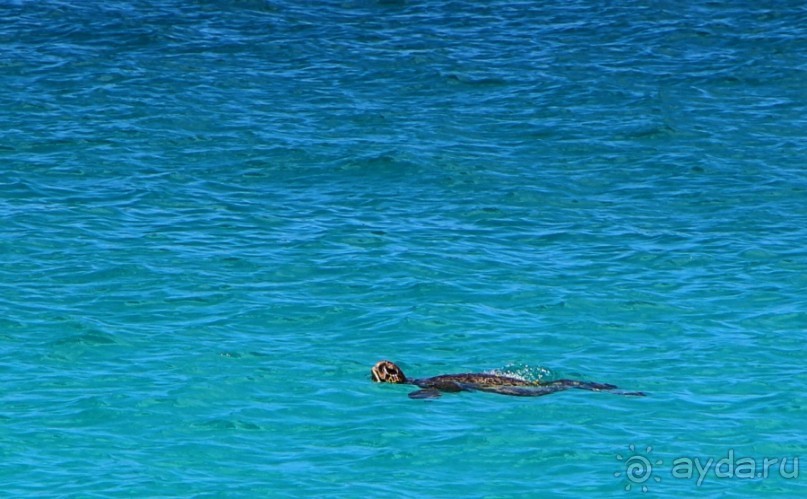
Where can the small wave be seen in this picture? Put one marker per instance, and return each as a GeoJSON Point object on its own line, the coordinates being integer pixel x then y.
{"type": "Point", "coordinates": [525, 372]}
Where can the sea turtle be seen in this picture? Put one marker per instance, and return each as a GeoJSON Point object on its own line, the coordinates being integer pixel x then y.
{"type": "Point", "coordinates": [387, 372]}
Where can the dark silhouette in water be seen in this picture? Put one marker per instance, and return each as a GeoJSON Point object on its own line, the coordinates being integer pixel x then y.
{"type": "Point", "coordinates": [387, 372]}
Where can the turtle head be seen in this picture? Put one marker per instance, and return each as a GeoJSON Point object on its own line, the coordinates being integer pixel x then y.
{"type": "Point", "coordinates": [387, 372]}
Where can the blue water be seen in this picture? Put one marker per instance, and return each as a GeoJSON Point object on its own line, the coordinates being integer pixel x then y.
{"type": "Point", "coordinates": [217, 215]}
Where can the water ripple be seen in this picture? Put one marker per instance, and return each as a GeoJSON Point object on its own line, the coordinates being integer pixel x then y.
{"type": "Point", "coordinates": [218, 215]}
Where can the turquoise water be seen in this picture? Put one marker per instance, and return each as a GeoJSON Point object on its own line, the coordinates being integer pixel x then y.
{"type": "Point", "coordinates": [216, 216]}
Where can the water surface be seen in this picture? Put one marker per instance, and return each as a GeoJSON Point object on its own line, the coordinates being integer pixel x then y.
{"type": "Point", "coordinates": [218, 215]}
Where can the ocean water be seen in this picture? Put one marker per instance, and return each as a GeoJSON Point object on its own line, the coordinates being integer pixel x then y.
{"type": "Point", "coordinates": [218, 215]}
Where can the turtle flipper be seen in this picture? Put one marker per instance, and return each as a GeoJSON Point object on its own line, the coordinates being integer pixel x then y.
{"type": "Point", "coordinates": [431, 387]}
{"type": "Point", "coordinates": [631, 394]}
{"type": "Point", "coordinates": [522, 391]}
{"type": "Point", "coordinates": [594, 387]}
{"type": "Point", "coordinates": [426, 393]}
{"type": "Point", "coordinates": [583, 385]}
